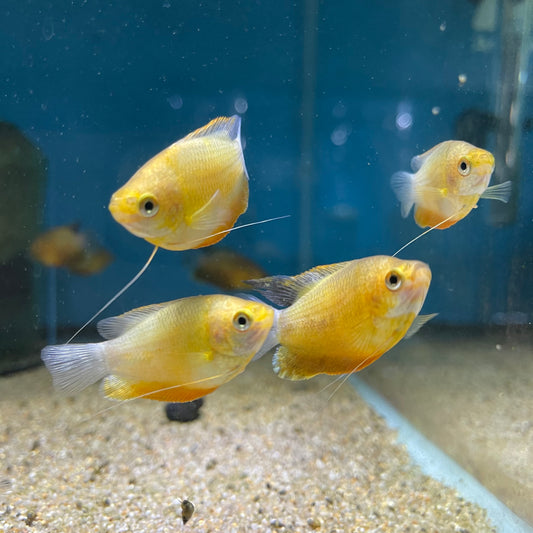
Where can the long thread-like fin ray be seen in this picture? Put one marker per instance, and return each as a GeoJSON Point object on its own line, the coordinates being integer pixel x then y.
{"type": "Point", "coordinates": [141, 272]}
{"type": "Point", "coordinates": [422, 234]}
{"type": "Point", "coordinates": [122, 402]}
{"type": "Point", "coordinates": [118, 294]}
{"type": "Point", "coordinates": [342, 379]}
{"type": "Point", "coordinates": [238, 227]}
{"type": "Point", "coordinates": [342, 375]}
{"type": "Point", "coordinates": [345, 377]}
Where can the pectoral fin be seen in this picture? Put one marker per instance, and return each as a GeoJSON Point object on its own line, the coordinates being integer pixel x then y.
{"type": "Point", "coordinates": [501, 192]}
{"type": "Point", "coordinates": [418, 322]}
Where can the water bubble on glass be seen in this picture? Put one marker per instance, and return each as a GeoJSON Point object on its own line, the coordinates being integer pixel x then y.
{"type": "Point", "coordinates": [175, 101]}
{"type": "Point", "coordinates": [241, 105]}
{"type": "Point", "coordinates": [340, 134]}
{"type": "Point", "coordinates": [404, 120]}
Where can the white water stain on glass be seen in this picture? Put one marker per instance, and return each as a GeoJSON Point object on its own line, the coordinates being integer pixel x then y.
{"type": "Point", "coordinates": [175, 101]}
{"type": "Point", "coordinates": [339, 110]}
{"type": "Point", "coordinates": [47, 28]}
{"type": "Point", "coordinates": [340, 134]}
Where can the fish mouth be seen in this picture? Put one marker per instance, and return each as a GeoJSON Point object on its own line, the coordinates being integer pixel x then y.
{"type": "Point", "coordinates": [485, 159]}
{"type": "Point", "coordinates": [422, 272]}
{"type": "Point", "coordinates": [122, 208]}
{"type": "Point", "coordinates": [483, 165]}
{"type": "Point", "coordinates": [421, 279]}
{"type": "Point", "coordinates": [125, 211]}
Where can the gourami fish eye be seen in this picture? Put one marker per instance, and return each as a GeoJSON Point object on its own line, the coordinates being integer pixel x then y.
{"type": "Point", "coordinates": [148, 205]}
{"type": "Point", "coordinates": [464, 167]}
{"type": "Point", "coordinates": [393, 280]}
{"type": "Point", "coordinates": [242, 321]}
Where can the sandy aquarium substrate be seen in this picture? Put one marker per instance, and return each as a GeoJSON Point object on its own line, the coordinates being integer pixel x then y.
{"type": "Point", "coordinates": [265, 455]}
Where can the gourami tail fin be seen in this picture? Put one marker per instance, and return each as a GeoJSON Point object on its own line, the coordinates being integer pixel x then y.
{"type": "Point", "coordinates": [75, 366]}
{"type": "Point", "coordinates": [402, 184]}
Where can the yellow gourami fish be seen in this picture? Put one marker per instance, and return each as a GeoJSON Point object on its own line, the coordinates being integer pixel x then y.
{"type": "Point", "coordinates": [59, 246]}
{"type": "Point", "coordinates": [191, 193]}
{"type": "Point", "coordinates": [176, 351]}
{"type": "Point", "coordinates": [342, 317]}
{"type": "Point", "coordinates": [449, 180]}
{"type": "Point", "coordinates": [68, 247]}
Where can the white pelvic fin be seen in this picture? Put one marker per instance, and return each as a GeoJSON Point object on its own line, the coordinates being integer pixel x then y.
{"type": "Point", "coordinates": [75, 366]}
{"type": "Point", "coordinates": [402, 184]}
{"type": "Point", "coordinates": [501, 192]}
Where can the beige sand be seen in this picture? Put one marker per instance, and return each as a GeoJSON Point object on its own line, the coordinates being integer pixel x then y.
{"type": "Point", "coordinates": [266, 455]}
{"type": "Point", "coordinates": [472, 395]}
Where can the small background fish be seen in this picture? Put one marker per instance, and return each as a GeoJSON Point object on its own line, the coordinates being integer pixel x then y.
{"type": "Point", "coordinates": [226, 269]}
{"type": "Point", "coordinates": [448, 181]}
{"type": "Point", "coordinates": [68, 247]}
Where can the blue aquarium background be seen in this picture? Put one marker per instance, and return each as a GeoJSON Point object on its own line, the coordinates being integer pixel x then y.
{"type": "Point", "coordinates": [334, 97]}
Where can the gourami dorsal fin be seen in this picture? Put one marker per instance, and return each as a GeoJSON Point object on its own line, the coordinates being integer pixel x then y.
{"type": "Point", "coordinates": [229, 127]}
{"type": "Point", "coordinates": [221, 126]}
{"type": "Point", "coordinates": [115, 326]}
{"type": "Point", "coordinates": [418, 160]}
{"type": "Point", "coordinates": [417, 323]}
{"type": "Point", "coordinates": [285, 290]}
